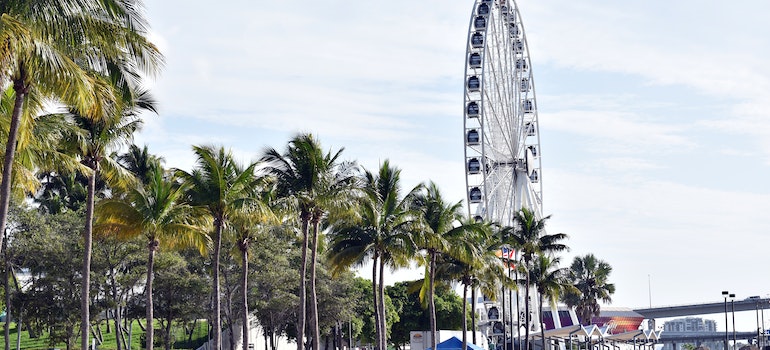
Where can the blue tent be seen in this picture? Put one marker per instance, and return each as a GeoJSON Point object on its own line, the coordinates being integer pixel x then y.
{"type": "Point", "coordinates": [455, 344]}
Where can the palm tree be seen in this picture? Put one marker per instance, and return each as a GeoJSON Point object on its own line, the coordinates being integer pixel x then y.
{"type": "Point", "coordinates": [140, 162]}
{"type": "Point", "coordinates": [381, 231]}
{"type": "Point", "coordinates": [443, 232]}
{"type": "Point", "coordinates": [246, 224]}
{"type": "Point", "coordinates": [550, 281]}
{"type": "Point", "coordinates": [484, 272]}
{"type": "Point", "coordinates": [156, 212]}
{"type": "Point", "coordinates": [315, 184]}
{"type": "Point", "coordinates": [43, 44]}
{"type": "Point", "coordinates": [590, 276]}
{"type": "Point", "coordinates": [221, 186]}
{"type": "Point", "coordinates": [101, 138]}
{"type": "Point", "coordinates": [529, 237]}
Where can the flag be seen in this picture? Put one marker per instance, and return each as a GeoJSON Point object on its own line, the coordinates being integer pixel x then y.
{"type": "Point", "coordinates": [507, 253]}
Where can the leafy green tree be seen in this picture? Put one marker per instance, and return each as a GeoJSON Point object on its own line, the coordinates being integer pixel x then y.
{"type": "Point", "coordinates": [382, 231]}
{"type": "Point", "coordinates": [221, 186]}
{"type": "Point", "coordinates": [413, 316]}
{"type": "Point", "coordinates": [156, 212]}
{"type": "Point", "coordinates": [273, 284]}
{"type": "Point", "coordinates": [316, 184]}
{"type": "Point", "coordinates": [124, 263]}
{"type": "Point", "coordinates": [180, 293]}
{"type": "Point", "coordinates": [529, 237]}
{"type": "Point", "coordinates": [590, 277]}
{"type": "Point", "coordinates": [51, 251]}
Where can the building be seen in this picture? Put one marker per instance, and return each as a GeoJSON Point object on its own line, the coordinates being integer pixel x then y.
{"type": "Point", "coordinates": [691, 325]}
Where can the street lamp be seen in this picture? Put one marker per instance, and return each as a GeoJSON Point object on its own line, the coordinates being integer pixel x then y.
{"type": "Point", "coordinates": [724, 294]}
{"type": "Point", "coordinates": [759, 335]}
{"type": "Point", "coordinates": [732, 309]}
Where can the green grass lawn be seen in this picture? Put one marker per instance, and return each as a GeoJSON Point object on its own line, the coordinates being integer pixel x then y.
{"type": "Point", "coordinates": [198, 338]}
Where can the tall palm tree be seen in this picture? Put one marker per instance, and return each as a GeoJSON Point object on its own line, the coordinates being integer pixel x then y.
{"type": "Point", "coordinates": [381, 233]}
{"type": "Point", "coordinates": [484, 272]}
{"type": "Point", "coordinates": [221, 186]}
{"type": "Point", "coordinates": [529, 237]}
{"type": "Point", "coordinates": [550, 281]}
{"type": "Point", "coordinates": [443, 232]}
{"type": "Point", "coordinates": [590, 276]}
{"type": "Point", "coordinates": [155, 211]}
{"type": "Point", "coordinates": [246, 224]}
{"type": "Point", "coordinates": [44, 44]}
{"type": "Point", "coordinates": [101, 138]}
{"type": "Point", "coordinates": [315, 184]}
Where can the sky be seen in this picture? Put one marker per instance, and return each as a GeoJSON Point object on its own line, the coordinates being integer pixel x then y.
{"type": "Point", "coordinates": [654, 116]}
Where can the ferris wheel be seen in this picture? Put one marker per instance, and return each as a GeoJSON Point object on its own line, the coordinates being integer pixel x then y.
{"type": "Point", "coordinates": [502, 141]}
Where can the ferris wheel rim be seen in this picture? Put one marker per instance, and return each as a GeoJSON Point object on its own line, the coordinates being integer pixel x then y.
{"type": "Point", "coordinates": [501, 113]}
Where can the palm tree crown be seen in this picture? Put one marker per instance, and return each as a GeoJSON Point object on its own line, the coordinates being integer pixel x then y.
{"type": "Point", "coordinates": [590, 277]}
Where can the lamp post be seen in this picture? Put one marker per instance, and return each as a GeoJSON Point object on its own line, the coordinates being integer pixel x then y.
{"type": "Point", "coordinates": [732, 309]}
{"type": "Point", "coordinates": [724, 294]}
{"type": "Point", "coordinates": [759, 340]}
{"type": "Point", "coordinates": [762, 312]}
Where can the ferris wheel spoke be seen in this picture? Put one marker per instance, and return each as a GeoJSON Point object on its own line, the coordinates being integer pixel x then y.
{"type": "Point", "coordinates": [501, 132]}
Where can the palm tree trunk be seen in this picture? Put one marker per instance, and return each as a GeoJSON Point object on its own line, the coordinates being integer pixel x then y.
{"type": "Point", "coordinates": [540, 312]}
{"type": "Point", "coordinates": [10, 148]}
{"type": "Point", "coordinates": [244, 290]}
{"type": "Point", "coordinates": [383, 316]}
{"type": "Point", "coordinates": [314, 331]}
{"type": "Point", "coordinates": [85, 297]}
{"type": "Point", "coordinates": [6, 288]}
{"type": "Point", "coordinates": [465, 317]}
{"type": "Point", "coordinates": [473, 314]}
{"type": "Point", "coordinates": [151, 247]}
{"type": "Point", "coordinates": [375, 298]}
{"type": "Point", "coordinates": [302, 289]}
{"type": "Point", "coordinates": [526, 313]}
{"type": "Point", "coordinates": [431, 302]}
{"type": "Point", "coordinates": [216, 317]}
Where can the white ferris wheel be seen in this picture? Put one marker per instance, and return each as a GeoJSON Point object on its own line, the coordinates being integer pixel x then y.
{"type": "Point", "coordinates": [502, 141]}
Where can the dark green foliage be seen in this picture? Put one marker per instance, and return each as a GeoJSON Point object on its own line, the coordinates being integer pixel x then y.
{"type": "Point", "coordinates": [413, 317]}
{"type": "Point", "coordinates": [50, 249]}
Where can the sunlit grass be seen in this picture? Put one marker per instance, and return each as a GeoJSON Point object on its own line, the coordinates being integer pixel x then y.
{"type": "Point", "coordinates": [109, 342]}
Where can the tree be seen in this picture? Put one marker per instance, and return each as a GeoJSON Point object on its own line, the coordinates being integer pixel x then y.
{"type": "Point", "coordinates": [382, 231]}
{"type": "Point", "coordinates": [44, 44]}
{"type": "Point", "coordinates": [221, 186]}
{"type": "Point", "coordinates": [180, 293]}
{"type": "Point", "coordinates": [443, 232]}
{"type": "Point", "coordinates": [315, 184]}
{"type": "Point", "coordinates": [141, 163]}
{"type": "Point", "coordinates": [484, 272]}
{"type": "Point", "coordinates": [550, 281]}
{"type": "Point", "coordinates": [529, 237]}
{"type": "Point", "coordinates": [590, 276]}
{"type": "Point", "coordinates": [156, 212]}
{"type": "Point", "coordinates": [246, 224]}
{"type": "Point", "coordinates": [51, 252]}
{"type": "Point", "coordinates": [102, 136]}
{"type": "Point", "coordinates": [274, 286]}
{"type": "Point", "coordinates": [406, 299]}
